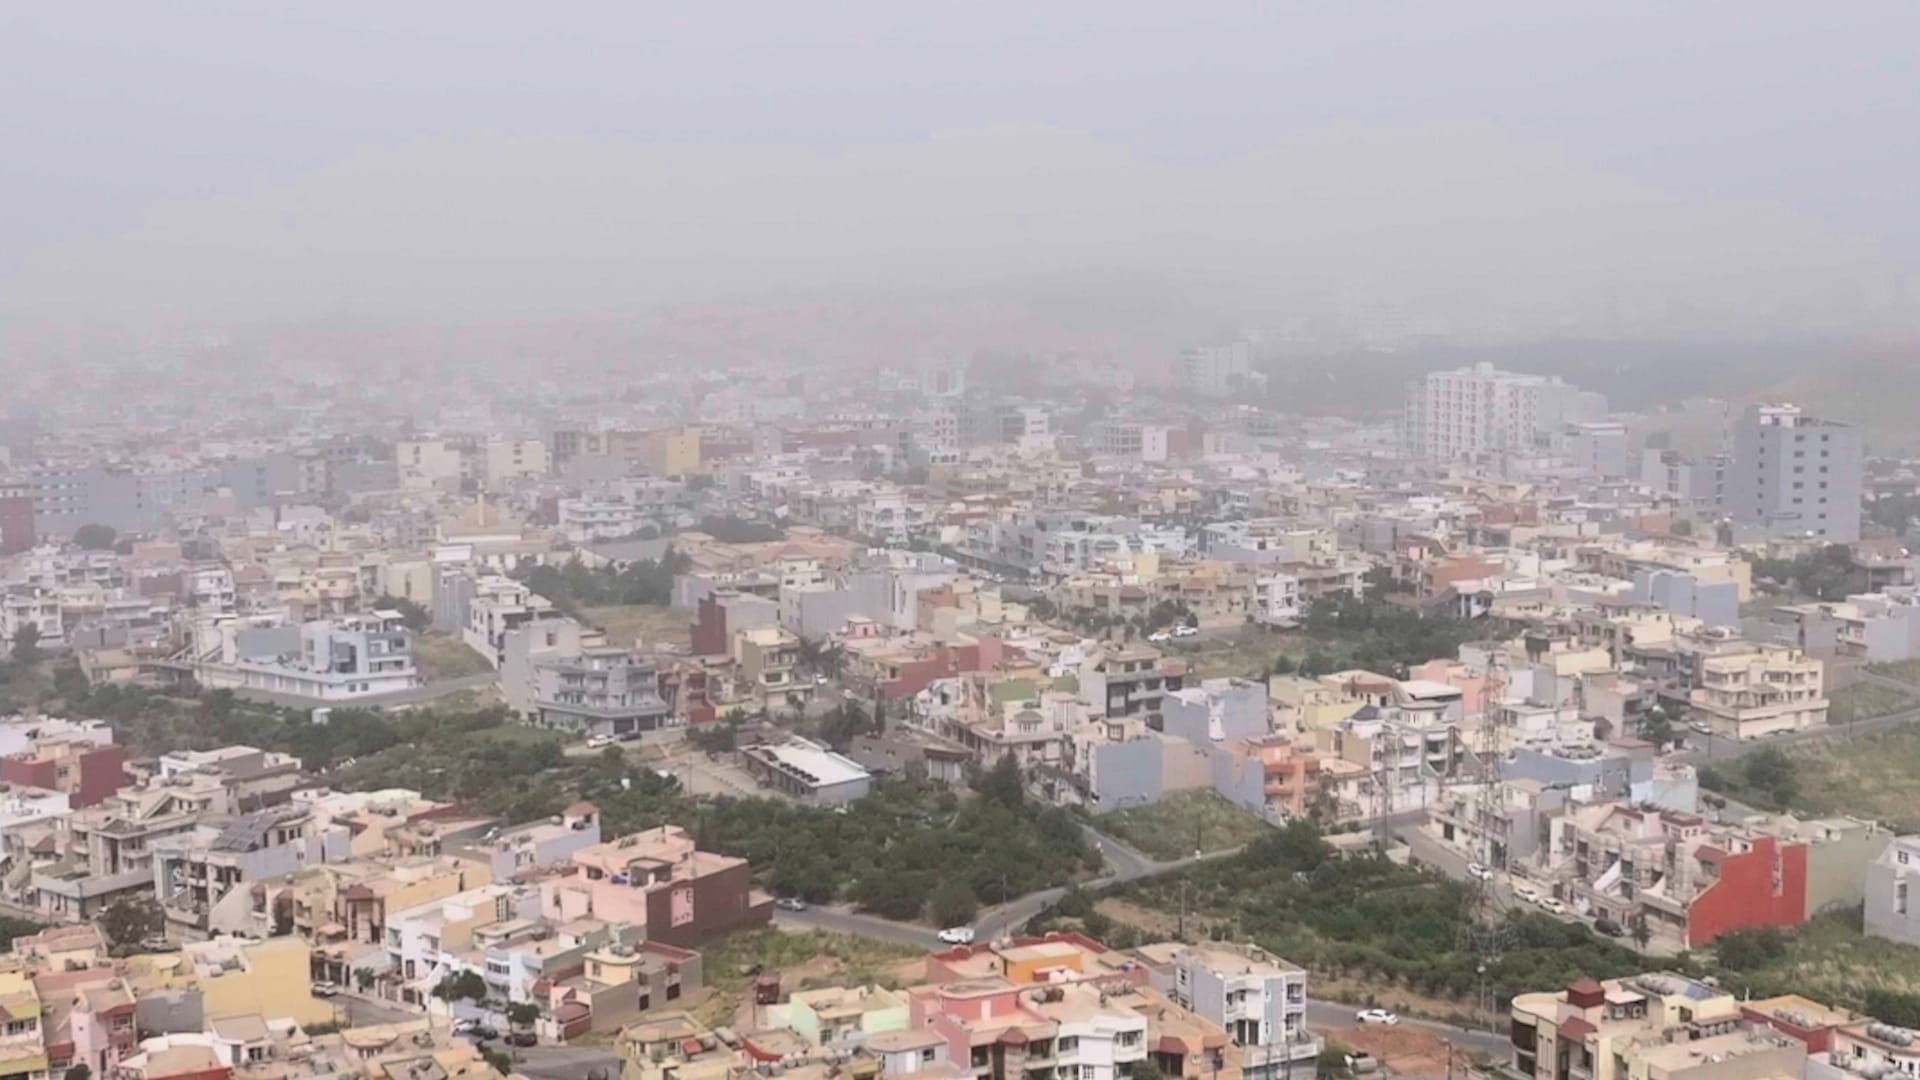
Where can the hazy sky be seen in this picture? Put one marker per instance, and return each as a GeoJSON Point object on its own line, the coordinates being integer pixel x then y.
{"type": "Point", "coordinates": [240, 161]}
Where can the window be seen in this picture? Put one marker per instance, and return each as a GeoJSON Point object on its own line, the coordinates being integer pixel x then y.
{"type": "Point", "coordinates": [1086, 1072]}
{"type": "Point", "coordinates": [1069, 1043]}
{"type": "Point", "coordinates": [927, 1055]}
{"type": "Point", "coordinates": [1900, 898]}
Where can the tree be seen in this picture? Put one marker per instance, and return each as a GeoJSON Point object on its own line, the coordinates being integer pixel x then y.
{"type": "Point", "coordinates": [95, 537]}
{"type": "Point", "coordinates": [412, 615]}
{"type": "Point", "coordinates": [131, 920]}
{"type": "Point", "coordinates": [1002, 784]}
{"type": "Point", "coordinates": [522, 1015]}
{"type": "Point", "coordinates": [1642, 931]}
{"type": "Point", "coordinates": [1284, 665]}
{"type": "Point", "coordinates": [26, 644]}
{"type": "Point", "coordinates": [363, 978]}
{"type": "Point", "coordinates": [78, 1072]}
{"type": "Point", "coordinates": [1772, 772]}
{"type": "Point", "coordinates": [954, 903]}
{"type": "Point", "coordinates": [1751, 948]}
{"type": "Point", "coordinates": [1657, 727]}
{"type": "Point", "coordinates": [466, 984]}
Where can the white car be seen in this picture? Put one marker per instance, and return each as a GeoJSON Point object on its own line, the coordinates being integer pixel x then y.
{"type": "Point", "coordinates": [1159, 636]}
{"type": "Point", "coordinates": [957, 935]}
{"type": "Point", "coordinates": [323, 989]}
{"type": "Point", "coordinates": [1185, 631]}
{"type": "Point", "coordinates": [1526, 892]}
{"type": "Point", "coordinates": [1475, 870]}
{"type": "Point", "coordinates": [1552, 905]}
{"type": "Point", "coordinates": [1375, 1016]}
{"type": "Point", "coordinates": [599, 741]}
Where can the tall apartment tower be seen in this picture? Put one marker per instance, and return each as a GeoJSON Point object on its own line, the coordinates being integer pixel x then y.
{"type": "Point", "coordinates": [1794, 475]}
{"type": "Point", "coordinates": [1478, 410]}
{"type": "Point", "coordinates": [1215, 370]}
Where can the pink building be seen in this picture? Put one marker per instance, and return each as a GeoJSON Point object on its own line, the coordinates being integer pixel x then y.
{"type": "Point", "coordinates": [659, 881]}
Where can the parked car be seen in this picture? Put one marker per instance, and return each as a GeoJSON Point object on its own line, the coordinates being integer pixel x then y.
{"type": "Point", "coordinates": [1552, 905]}
{"type": "Point", "coordinates": [957, 935]}
{"type": "Point", "coordinates": [790, 903]}
{"type": "Point", "coordinates": [1185, 631]}
{"type": "Point", "coordinates": [1699, 727]}
{"type": "Point", "coordinates": [1524, 891]}
{"type": "Point", "coordinates": [599, 741]}
{"type": "Point", "coordinates": [1475, 870]}
{"type": "Point", "coordinates": [1159, 636]}
{"type": "Point", "coordinates": [474, 1029]}
{"type": "Point", "coordinates": [1375, 1016]}
{"type": "Point", "coordinates": [522, 1038]}
{"type": "Point", "coordinates": [1604, 925]}
{"type": "Point", "coordinates": [324, 989]}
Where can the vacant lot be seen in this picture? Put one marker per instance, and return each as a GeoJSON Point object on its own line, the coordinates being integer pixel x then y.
{"type": "Point", "coordinates": [653, 624]}
{"type": "Point", "coordinates": [1181, 824]}
{"type": "Point", "coordinates": [805, 960]}
{"type": "Point", "coordinates": [1866, 700]}
{"type": "Point", "coordinates": [1829, 959]}
{"type": "Point", "coordinates": [1247, 652]}
{"type": "Point", "coordinates": [1907, 671]}
{"type": "Point", "coordinates": [1874, 776]}
{"type": "Point", "coordinates": [443, 656]}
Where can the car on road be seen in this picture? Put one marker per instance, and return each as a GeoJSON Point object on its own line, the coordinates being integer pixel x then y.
{"type": "Point", "coordinates": [474, 1029]}
{"type": "Point", "coordinates": [1375, 1016]}
{"type": "Point", "coordinates": [1475, 870]}
{"type": "Point", "coordinates": [522, 1038]}
{"type": "Point", "coordinates": [599, 741]}
{"type": "Point", "coordinates": [324, 989]}
{"type": "Point", "coordinates": [790, 903]}
{"type": "Point", "coordinates": [1552, 905]}
{"type": "Point", "coordinates": [1699, 727]}
{"type": "Point", "coordinates": [1186, 631]}
{"type": "Point", "coordinates": [956, 935]}
{"type": "Point", "coordinates": [1527, 892]}
{"type": "Point", "coordinates": [1159, 637]}
{"type": "Point", "coordinates": [1604, 925]}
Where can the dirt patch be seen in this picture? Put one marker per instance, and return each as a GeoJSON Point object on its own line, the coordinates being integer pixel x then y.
{"type": "Point", "coordinates": [1151, 921]}
{"type": "Point", "coordinates": [1405, 1051]}
{"type": "Point", "coordinates": [1392, 997]}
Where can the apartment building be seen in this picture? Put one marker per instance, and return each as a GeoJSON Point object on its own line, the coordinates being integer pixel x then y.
{"type": "Point", "coordinates": [657, 880]}
{"type": "Point", "coordinates": [1216, 371]}
{"type": "Point", "coordinates": [1259, 998]}
{"type": "Point", "coordinates": [247, 777]}
{"type": "Point", "coordinates": [603, 690]}
{"type": "Point", "coordinates": [1127, 679]}
{"type": "Point", "coordinates": [1794, 475]}
{"type": "Point", "coordinates": [1657, 1026]}
{"type": "Point", "coordinates": [1480, 410]}
{"type": "Point", "coordinates": [77, 760]}
{"type": "Point", "coordinates": [1758, 691]}
{"type": "Point", "coordinates": [1892, 908]}
{"type": "Point", "coordinates": [109, 848]}
{"type": "Point", "coordinates": [495, 607]}
{"type": "Point", "coordinates": [768, 659]}
{"type": "Point", "coordinates": [340, 659]}
{"type": "Point", "coordinates": [199, 870]}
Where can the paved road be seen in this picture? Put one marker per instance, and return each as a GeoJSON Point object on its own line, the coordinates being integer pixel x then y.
{"type": "Point", "coordinates": [564, 1062]}
{"type": "Point", "coordinates": [1325, 1015]}
{"type": "Point", "coordinates": [1702, 748]}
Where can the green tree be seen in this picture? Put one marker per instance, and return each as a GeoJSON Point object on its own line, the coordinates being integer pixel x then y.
{"type": "Point", "coordinates": [1656, 726]}
{"type": "Point", "coordinates": [26, 644]}
{"type": "Point", "coordinates": [78, 1072]}
{"type": "Point", "coordinates": [1147, 1069]}
{"type": "Point", "coordinates": [1284, 665]}
{"type": "Point", "coordinates": [363, 978]}
{"type": "Point", "coordinates": [466, 984]}
{"type": "Point", "coordinates": [954, 903]}
{"type": "Point", "coordinates": [1002, 784]}
{"type": "Point", "coordinates": [131, 920]}
{"type": "Point", "coordinates": [1750, 949]}
{"type": "Point", "coordinates": [521, 1015]}
{"type": "Point", "coordinates": [95, 537]}
{"type": "Point", "coordinates": [1641, 930]}
{"type": "Point", "coordinates": [1773, 772]}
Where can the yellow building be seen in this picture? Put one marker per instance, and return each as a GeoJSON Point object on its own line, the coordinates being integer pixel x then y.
{"type": "Point", "coordinates": [672, 451]}
{"type": "Point", "coordinates": [23, 1047]}
{"type": "Point", "coordinates": [270, 979]}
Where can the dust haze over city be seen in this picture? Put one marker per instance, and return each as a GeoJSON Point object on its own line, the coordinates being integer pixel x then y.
{"type": "Point", "coordinates": [1067, 542]}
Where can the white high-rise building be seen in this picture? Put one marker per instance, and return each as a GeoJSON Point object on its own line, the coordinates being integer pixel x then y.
{"type": "Point", "coordinates": [1216, 370]}
{"type": "Point", "coordinates": [1794, 475]}
{"type": "Point", "coordinates": [1479, 410]}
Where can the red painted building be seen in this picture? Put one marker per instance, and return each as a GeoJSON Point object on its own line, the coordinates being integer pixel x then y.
{"type": "Point", "coordinates": [1766, 885]}
{"type": "Point", "coordinates": [88, 772]}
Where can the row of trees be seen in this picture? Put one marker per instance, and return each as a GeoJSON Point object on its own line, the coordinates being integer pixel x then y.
{"type": "Point", "coordinates": [574, 585]}
{"type": "Point", "coordinates": [1349, 632]}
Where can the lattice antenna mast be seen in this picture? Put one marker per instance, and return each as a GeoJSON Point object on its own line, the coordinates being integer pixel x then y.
{"type": "Point", "coordinates": [1487, 900]}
